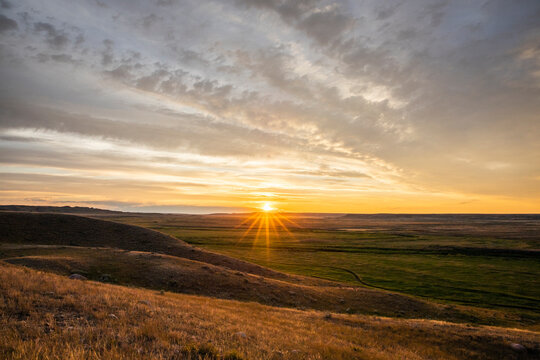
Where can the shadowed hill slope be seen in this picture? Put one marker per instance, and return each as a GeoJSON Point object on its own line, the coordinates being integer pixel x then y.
{"type": "Point", "coordinates": [72, 230]}
{"type": "Point", "coordinates": [158, 271]}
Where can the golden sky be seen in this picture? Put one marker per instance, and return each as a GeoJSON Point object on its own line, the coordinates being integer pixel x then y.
{"type": "Point", "coordinates": [312, 106]}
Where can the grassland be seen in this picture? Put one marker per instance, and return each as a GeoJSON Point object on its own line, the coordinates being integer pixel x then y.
{"type": "Point", "coordinates": [481, 271]}
{"type": "Point", "coordinates": [378, 293]}
{"type": "Point", "coordinates": [118, 253]}
{"type": "Point", "coordinates": [45, 316]}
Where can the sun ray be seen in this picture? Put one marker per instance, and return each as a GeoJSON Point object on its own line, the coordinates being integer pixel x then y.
{"type": "Point", "coordinates": [252, 216]}
{"type": "Point", "coordinates": [255, 221]}
{"type": "Point", "coordinates": [258, 231]}
{"type": "Point", "coordinates": [273, 226]}
{"type": "Point", "coordinates": [267, 230]}
{"type": "Point", "coordinates": [289, 220]}
{"type": "Point", "coordinates": [267, 236]}
{"type": "Point", "coordinates": [266, 226]}
{"type": "Point", "coordinates": [283, 226]}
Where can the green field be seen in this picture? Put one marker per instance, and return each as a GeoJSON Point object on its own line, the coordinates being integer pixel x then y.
{"type": "Point", "coordinates": [486, 272]}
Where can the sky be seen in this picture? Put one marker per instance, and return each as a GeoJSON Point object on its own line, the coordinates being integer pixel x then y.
{"type": "Point", "coordinates": [417, 106]}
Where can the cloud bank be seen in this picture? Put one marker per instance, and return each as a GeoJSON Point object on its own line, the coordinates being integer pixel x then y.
{"type": "Point", "coordinates": [406, 106]}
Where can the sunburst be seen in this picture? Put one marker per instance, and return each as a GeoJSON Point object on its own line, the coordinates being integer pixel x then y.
{"type": "Point", "coordinates": [265, 226]}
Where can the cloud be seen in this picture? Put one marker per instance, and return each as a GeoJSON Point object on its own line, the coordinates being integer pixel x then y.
{"type": "Point", "coordinates": [53, 37]}
{"type": "Point", "coordinates": [315, 94]}
{"type": "Point", "coordinates": [7, 23]}
{"type": "Point", "coordinates": [288, 10]}
{"type": "Point", "coordinates": [4, 4]}
{"type": "Point", "coordinates": [323, 24]}
{"type": "Point", "coordinates": [326, 24]}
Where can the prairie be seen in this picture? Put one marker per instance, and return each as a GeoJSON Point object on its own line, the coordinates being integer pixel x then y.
{"type": "Point", "coordinates": [45, 316]}
{"type": "Point", "coordinates": [203, 287]}
{"type": "Point", "coordinates": [497, 268]}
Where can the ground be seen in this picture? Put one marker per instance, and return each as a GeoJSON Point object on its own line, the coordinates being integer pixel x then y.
{"type": "Point", "coordinates": [325, 288]}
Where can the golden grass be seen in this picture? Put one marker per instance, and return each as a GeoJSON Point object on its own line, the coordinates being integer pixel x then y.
{"type": "Point", "coordinates": [158, 271]}
{"type": "Point", "coordinates": [46, 316]}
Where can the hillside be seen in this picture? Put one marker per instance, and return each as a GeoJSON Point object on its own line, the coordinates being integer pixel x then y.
{"type": "Point", "coordinates": [164, 272]}
{"type": "Point", "coordinates": [135, 256]}
{"type": "Point", "coordinates": [59, 209]}
{"type": "Point", "coordinates": [72, 230]}
{"type": "Point", "coordinates": [44, 316]}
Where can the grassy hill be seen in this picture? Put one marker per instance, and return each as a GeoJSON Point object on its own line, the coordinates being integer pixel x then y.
{"type": "Point", "coordinates": [67, 244]}
{"type": "Point", "coordinates": [151, 295]}
{"type": "Point", "coordinates": [164, 272]}
{"type": "Point", "coordinates": [62, 229]}
{"type": "Point", "coordinates": [45, 316]}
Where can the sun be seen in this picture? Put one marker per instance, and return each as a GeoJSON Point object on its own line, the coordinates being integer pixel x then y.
{"type": "Point", "coordinates": [268, 224]}
{"type": "Point", "coordinates": [267, 207]}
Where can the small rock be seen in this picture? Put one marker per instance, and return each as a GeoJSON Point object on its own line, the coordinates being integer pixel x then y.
{"type": "Point", "coordinates": [77, 277]}
{"type": "Point", "coordinates": [342, 301]}
{"type": "Point", "coordinates": [292, 293]}
{"type": "Point", "coordinates": [328, 316]}
{"type": "Point", "coordinates": [161, 292]}
{"type": "Point", "coordinates": [517, 347]}
{"type": "Point", "coordinates": [144, 302]}
{"type": "Point", "coordinates": [49, 293]}
{"type": "Point", "coordinates": [105, 278]}
{"type": "Point", "coordinates": [112, 316]}
{"type": "Point", "coordinates": [241, 335]}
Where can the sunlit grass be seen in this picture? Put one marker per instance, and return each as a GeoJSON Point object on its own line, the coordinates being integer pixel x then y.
{"type": "Point", "coordinates": [49, 317]}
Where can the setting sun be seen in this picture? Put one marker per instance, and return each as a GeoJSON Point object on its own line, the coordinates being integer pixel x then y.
{"type": "Point", "coordinates": [267, 207]}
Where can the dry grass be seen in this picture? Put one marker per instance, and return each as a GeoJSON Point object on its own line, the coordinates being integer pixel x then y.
{"type": "Point", "coordinates": [190, 270]}
{"type": "Point", "coordinates": [158, 271]}
{"type": "Point", "coordinates": [46, 316]}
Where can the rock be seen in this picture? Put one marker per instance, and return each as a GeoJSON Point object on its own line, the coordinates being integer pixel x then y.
{"type": "Point", "coordinates": [105, 278]}
{"type": "Point", "coordinates": [144, 302]}
{"type": "Point", "coordinates": [161, 292]}
{"type": "Point", "coordinates": [241, 334]}
{"type": "Point", "coordinates": [328, 316]}
{"type": "Point", "coordinates": [518, 347]}
{"type": "Point", "coordinates": [292, 293]}
{"type": "Point", "coordinates": [342, 301]}
{"type": "Point", "coordinates": [112, 316]}
{"type": "Point", "coordinates": [77, 277]}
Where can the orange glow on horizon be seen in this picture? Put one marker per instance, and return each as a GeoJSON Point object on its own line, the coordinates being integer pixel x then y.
{"type": "Point", "coordinates": [267, 207]}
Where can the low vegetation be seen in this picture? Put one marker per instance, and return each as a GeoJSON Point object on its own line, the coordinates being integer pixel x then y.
{"type": "Point", "coordinates": [164, 272]}
{"type": "Point", "coordinates": [46, 316]}
{"type": "Point", "coordinates": [150, 295]}
{"type": "Point", "coordinates": [489, 272]}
